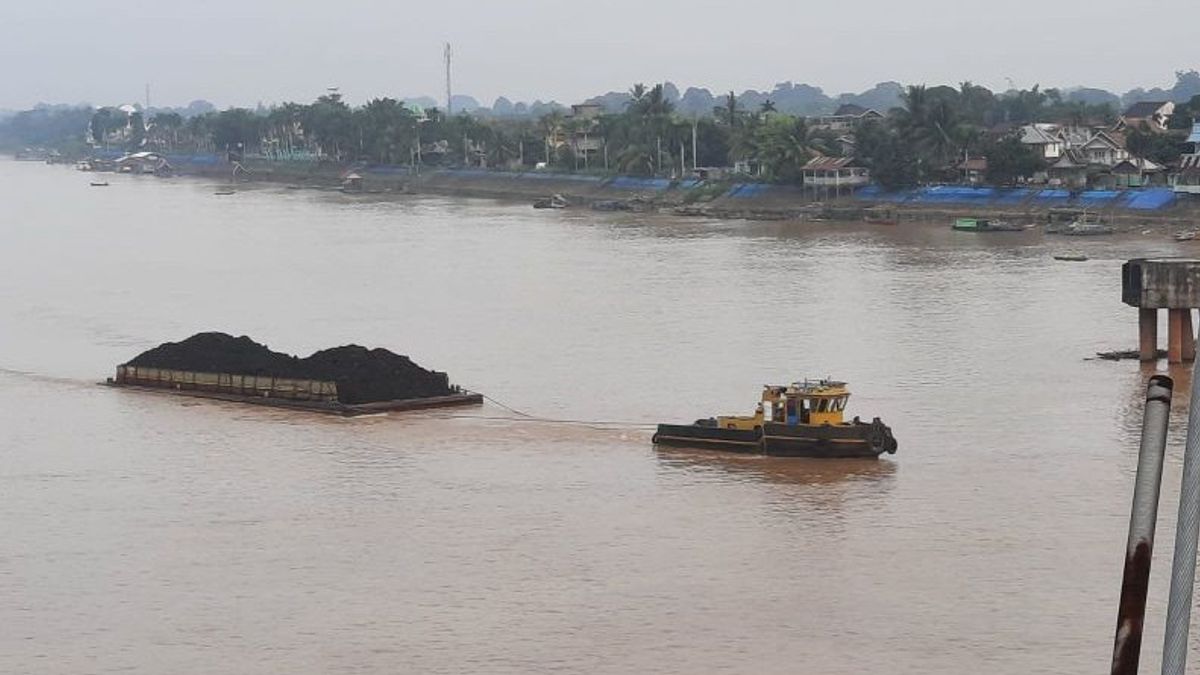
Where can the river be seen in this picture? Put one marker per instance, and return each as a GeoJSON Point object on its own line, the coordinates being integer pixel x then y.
{"type": "Point", "coordinates": [154, 534]}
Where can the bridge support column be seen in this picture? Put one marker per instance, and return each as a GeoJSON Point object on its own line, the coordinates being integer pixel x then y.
{"type": "Point", "coordinates": [1189, 337]}
{"type": "Point", "coordinates": [1148, 334]}
{"type": "Point", "coordinates": [1181, 339]}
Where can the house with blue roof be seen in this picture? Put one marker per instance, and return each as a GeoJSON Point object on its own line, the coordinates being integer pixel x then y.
{"type": "Point", "coordinates": [1186, 177]}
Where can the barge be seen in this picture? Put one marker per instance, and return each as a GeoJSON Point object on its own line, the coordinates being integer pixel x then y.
{"type": "Point", "coordinates": [346, 381]}
{"type": "Point", "coordinates": [804, 419]}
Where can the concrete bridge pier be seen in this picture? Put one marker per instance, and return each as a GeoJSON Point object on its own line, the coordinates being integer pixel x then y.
{"type": "Point", "coordinates": [1172, 284]}
{"type": "Point", "coordinates": [1181, 339]}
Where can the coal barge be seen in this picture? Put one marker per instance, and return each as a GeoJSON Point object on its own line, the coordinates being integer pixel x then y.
{"type": "Point", "coordinates": [804, 419]}
{"type": "Point", "coordinates": [349, 380]}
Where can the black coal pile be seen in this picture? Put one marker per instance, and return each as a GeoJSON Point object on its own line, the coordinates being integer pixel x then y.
{"type": "Point", "coordinates": [367, 375]}
{"type": "Point", "coordinates": [362, 375]}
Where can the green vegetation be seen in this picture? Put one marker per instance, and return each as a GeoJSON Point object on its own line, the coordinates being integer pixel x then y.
{"type": "Point", "coordinates": [924, 139]}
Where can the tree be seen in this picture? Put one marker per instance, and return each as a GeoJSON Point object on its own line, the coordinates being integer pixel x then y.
{"type": "Point", "coordinates": [105, 121]}
{"type": "Point", "coordinates": [164, 129]}
{"type": "Point", "coordinates": [783, 146]}
{"type": "Point", "coordinates": [331, 123]}
{"type": "Point", "coordinates": [137, 130]}
{"type": "Point", "coordinates": [1009, 160]}
{"type": "Point", "coordinates": [885, 152]}
{"type": "Point", "coordinates": [387, 130]}
{"type": "Point", "coordinates": [1155, 146]}
{"type": "Point", "coordinates": [237, 130]}
{"type": "Point", "coordinates": [728, 112]}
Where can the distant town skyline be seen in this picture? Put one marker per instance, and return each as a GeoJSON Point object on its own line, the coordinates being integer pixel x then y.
{"type": "Point", "coordinates": [270, 51]}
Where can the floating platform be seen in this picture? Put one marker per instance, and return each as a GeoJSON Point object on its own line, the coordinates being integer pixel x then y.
{"type": "Point", "coordinates": [277, 392]}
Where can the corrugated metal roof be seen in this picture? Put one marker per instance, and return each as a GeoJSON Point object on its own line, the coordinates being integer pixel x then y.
{"type": "Point", "coordinates": [828, 163]}
{"type": "Point", "coordinates": [1143, 109]}
{"type": "Point", "coordinates": [1032, 135]}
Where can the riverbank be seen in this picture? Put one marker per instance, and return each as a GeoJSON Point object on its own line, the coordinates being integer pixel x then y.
{"type": "Point", "coordinates": [1125, 211]}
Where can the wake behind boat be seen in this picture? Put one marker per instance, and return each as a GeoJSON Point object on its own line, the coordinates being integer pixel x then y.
{"type": "Point", "coordinates": [804, 419]}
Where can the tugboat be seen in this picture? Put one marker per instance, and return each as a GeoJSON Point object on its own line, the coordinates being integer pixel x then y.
{"type": "Point", "coordinates": [804, 419]}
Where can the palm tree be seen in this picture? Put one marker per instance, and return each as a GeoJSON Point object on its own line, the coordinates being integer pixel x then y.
{"type": "Point", "coordinates": [728, 112]}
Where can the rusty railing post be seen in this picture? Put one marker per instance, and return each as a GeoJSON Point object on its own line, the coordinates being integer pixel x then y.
{"type": "Point", "coordinates": [1131, 613]}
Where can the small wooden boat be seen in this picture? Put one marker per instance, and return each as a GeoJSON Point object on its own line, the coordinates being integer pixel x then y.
{"type": "Point", "coordinates": [880, 216]}
{"type": "Point", "coordinates": [99, 183]}
{"type": "Point", "coordinates": [551, 202]}
{"type": "Point", "coordinates": [222, 193]}
{"type": "Point", "coordinates": [1072, 257]}
{"type": "Point", "coordinates": [804, 419]}
{"type": "Point", "coordinates": [984, 225]}
{"type": "Point", "coordinates": [1087, 229]}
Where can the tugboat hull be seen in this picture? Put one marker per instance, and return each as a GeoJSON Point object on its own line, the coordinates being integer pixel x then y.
{"type": "Point", "coordinates": [802, 440]}
{"type": "Point", "coordinates": [702, 436]}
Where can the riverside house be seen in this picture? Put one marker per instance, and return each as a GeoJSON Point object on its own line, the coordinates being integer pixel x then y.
{"type": "Point", "coordinates": [1153, 114]}
{"type": "Point", "coordinates": [1186, 177]}
{"type": "Point", "coordinates": [846, 118]}
{"type": "Point", "coordinates": [823, 173]}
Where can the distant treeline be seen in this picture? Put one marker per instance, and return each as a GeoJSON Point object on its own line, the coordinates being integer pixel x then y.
{"type": "Point", "coordinates": [922, 134]}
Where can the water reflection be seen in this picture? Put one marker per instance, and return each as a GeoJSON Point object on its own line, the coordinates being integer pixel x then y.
{"type": "Point", "coordinates": [777, 470]}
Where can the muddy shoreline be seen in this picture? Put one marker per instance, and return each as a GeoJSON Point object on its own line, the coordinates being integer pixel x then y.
{"type": "Point", "coordinates": [783, 203]}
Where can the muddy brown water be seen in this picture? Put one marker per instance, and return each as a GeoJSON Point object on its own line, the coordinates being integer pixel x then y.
{"type": "Point", "coordinates": [154, 534]}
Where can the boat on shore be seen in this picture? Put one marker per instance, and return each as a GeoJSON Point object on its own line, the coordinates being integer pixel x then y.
{"type": "Point", "coordinates": [1082, 228]}
{"type": "Point", "coordinates": [984, 225]}
{"type": "Point", "coordinates": [551, 202]}
{"type": "Point", "coordinates": [804, 419]}
{"type": "Point", "coordinates": [99, 183]}
{"type": "Point", "coordinates": [1071, 257]}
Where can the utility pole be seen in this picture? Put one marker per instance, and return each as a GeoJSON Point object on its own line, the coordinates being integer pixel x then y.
{"type": "Point", "coordinates": [695, 122]}
{"type": "Point", "coordinates": [449, 92]}
{"type": "Point", "coordinates": [658, 164]}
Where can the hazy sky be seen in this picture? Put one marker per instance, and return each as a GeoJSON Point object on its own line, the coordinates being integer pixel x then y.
{"type": "Point", "coordinates": [240, 52]}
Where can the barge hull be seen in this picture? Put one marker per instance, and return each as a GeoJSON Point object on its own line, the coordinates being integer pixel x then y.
{"type": "Point", "coordinates": [329, 408]}
{"type": "Point", "coordinates": [311, 395]}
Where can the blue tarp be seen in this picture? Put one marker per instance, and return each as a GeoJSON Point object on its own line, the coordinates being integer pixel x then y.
{"type": "Point", "coordinates": [1052, 197]}
{"type": "Point", "coordinates": [1096, 198]}
{"type": "Point", "coordinates": [1144, 199]}
{"type": "Point", "coordinates": [207, 160]}
{"type": "Point", "coordinates": [748, 190]}
{"type": "Point", "coordinates": [1012, 196]}
{"type": "Point", "coordinates": [631, 183]}
{"type": "Point", "coordinates": [1150, 199]}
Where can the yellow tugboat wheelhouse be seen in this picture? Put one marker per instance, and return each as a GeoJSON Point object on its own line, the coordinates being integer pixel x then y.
{"type": "Point", "coordinates": [804, 419]}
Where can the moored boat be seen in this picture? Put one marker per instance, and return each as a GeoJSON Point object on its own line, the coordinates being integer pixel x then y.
{"type": "Point", "coordinates": [805, 419]}
{"type": "Point", "coordinates": [552, 202]}
{"type": "Point", "coordinates": [984, 225]}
